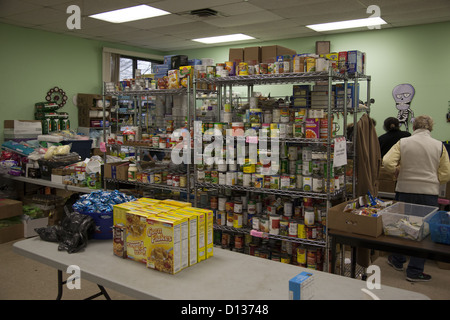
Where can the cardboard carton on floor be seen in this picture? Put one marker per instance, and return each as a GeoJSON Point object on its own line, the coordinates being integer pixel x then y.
{"type": "Point", "coordinates": [353, 223]}
{"type": "Point", "coordinates": [10, 208]}
{"type": "Point", "coordinates": [10, 229]}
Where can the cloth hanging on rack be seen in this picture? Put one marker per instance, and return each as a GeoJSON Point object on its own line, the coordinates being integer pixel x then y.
{"type": "Point", "coordinates": [368, 157]}
{"type": "Point", "coordinates": [368, 166]}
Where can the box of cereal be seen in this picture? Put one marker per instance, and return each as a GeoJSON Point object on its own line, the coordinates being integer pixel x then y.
{"type": "Point", "coordinates": [164, 245]}
{"type": "Point", "coordinates": [201, 231]}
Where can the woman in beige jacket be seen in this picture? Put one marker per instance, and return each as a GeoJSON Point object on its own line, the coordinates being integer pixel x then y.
{"type": "Point", "coordinates": [421, 164]}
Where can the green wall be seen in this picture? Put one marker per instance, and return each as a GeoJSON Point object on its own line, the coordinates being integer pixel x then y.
{"type": "Point", "coordinates": [419, 55]}
{"type": "Point", "coordinates": [33, 61]}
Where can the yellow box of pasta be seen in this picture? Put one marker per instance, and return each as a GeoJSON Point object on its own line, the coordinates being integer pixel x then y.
{"type": "Point", "coordinates": [148, 201]}
{"type": "Point", "coordinates": [184, 246]}
{"type": "Point", "coordinates": [201, 231]}
{"type": "Point", "coordinates": [176, 203]}
{"type": "Point", "coordinates": [120, 210]}
{"type": "Point", "coordinates": [164, 245]}
{"type": "Point", "coordinates": [136, 235]}
{"type": "Point", "coordinates": [193, 237]}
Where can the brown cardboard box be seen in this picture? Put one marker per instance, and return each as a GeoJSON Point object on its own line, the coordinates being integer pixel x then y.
{"type": "Point", "coordinates": [10, 208]}
{"type": "Point", "coordinates": [236, 55]}
{"type": "Point", "coordinates": [116, 170]}
{"type": "Point", "coordinates": [11, 233]}
{"type": "Point", "coordinates": [270, 53]}
{"type": "Point", "coordinates": [386, 181]}
{"type": "Point", "coordinates": [252, 55]}
{"type": "Point", "coordinates": [353, 223]}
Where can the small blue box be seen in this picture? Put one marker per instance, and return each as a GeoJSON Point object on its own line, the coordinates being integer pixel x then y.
{"type": "Point", "coordinates": [301, 287]}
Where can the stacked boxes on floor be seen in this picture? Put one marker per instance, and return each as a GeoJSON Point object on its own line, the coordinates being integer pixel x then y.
{"type": "Point", "coordinates": [165, 235]}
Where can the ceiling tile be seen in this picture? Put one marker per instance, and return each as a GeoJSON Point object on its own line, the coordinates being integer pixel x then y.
{"type": "Point", "coordinates": [162, 21]}
{"type": "Point", "coordinates": [40, 16]}
{"type": "Point", "coordinates": [177, 6]}
{"type": "Point", "coordinates": [243, 19]}
{"type": "Point", "coordinates": [12, 7]}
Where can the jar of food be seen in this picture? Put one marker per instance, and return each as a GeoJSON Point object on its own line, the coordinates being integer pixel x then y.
{"type": "Point", "coordinates": [132, 172]}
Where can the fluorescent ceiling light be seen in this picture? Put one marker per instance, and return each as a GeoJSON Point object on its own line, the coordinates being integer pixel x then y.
{"type": "Point", "coordinates": [130, 14]}
{"type": "Point", "coordinates": [227, 38]}
{"type": "Point", "coordinates": [348, 24]}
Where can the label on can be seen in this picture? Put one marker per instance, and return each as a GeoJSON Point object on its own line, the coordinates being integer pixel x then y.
{"type": "Point", "coordinates": [307, 183]}
{"type": "Point", "coordinates": [293, 228]}
{"type": "Point", "coordinates": [237, 220]}
{"type": "Point", "coordinates": [274, 224]}
{"type": "Point", "coordinates": [301, 234]}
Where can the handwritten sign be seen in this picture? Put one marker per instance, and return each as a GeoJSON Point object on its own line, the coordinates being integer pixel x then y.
{"type": "Point", "coordinates": [340, 152]}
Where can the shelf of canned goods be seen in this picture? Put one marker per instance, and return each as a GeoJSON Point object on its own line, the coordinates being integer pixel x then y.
{"type": "Point", "coordinates": [288, 207]}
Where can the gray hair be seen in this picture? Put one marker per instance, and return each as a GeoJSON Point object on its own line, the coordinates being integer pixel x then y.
{"type": "Point", "coordinates": [423, 122]}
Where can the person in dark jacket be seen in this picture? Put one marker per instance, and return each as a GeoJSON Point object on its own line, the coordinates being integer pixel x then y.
{"type": "Point", "coordinates": [392, 135]}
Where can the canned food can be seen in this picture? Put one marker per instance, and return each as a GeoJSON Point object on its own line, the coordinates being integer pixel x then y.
{"type": "Point", "coordinates": [275, 182]}
{"type": "Point", "coordinates": [307, 183]}
{"type": "Point", "coordinates": [230, 219]}
{"type": "Point", "coordinates": [238, 206]}
{"type": "Point", "coordinates": [176, 181]}
{"type": "Point", "coordinates": [222, 178]}
{"type": "Point", "coordinates": [288, 205]}
{"type": "Point", "coordinates": [301, 256]}
{"type": "Point", "coordinates": [214, 177]}
{"type": "Point", "coordinates": [158, 177]}
{"type": "Point", "coordinates": [246, 180]}
{"type": "Point", "coordinates": [259, 180]}
{"type": "Point", "coordinates": [255, 222]}
{"type": "Point", "coordinates": [274, 224]}
{"type": "Point", "coordinates": [221, 203]}
{"type": "Point", "coordinates": [293, 228]}
{"type": "Point", "coordinates": [284, 227]}
{"type": "Point", "coordinates": [201, 176]}
{"type": "Point", "coordinates": [237, 220]}
{"type": "Point", "coordinates": [251, 207]}
{"type": "Point", "coordinates": [317, 183]}
{"type": "Point", "coordinates": [301, 233]}
{"type": "Point", "coordinates": [264, 224]}
{"type": "Point", "coordinates": [311, 259]}
{"type": "Point", "coordinates": [229, 206]}
{"type": "Point", "coordinates": [183, 181]}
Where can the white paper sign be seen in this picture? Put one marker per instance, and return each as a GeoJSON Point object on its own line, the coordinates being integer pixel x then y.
{"type": "Point", "coordinates": [340, 152]}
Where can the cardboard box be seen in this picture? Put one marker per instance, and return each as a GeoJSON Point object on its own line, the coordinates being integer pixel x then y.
{"type": "Point", "coordinates": [11, 233]}
{"type": "Point", "coordinates": [193, 235]}
{"type": "Point", "coordinates": [201, 231]}
{"type": "Point", "coordinates": [136, 236]}
{"type": "Point", "coordinates": [164, 245]}
{"type": "Point", "coordinates": [252, 55]}
{"type": "Point", "coordinates": [301, 287]}
{"type": "Point", "coordinates": [119, 241]}
{"type": "Point", "coordinates": [353, 223]}
{"type": "Point", "coordinates": [116, 170]}
{"type": "Point", "coordinates": [30, 224]}
{"type": "Point", "coordinates": [10, 208]}
{"type": "Point", "coordinates": [184, 240]}
{"type": "Point", "coordinates": [354, 61]}
{"type": "Point", "coordinates": [269, 53]}
{"type": "Point", "coordinates": [20, 128]}
{"type": "Point", "coordinates": [236, 55]}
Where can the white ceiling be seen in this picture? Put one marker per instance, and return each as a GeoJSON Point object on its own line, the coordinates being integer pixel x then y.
{"type": "Point", "coordinates": [266, 20]}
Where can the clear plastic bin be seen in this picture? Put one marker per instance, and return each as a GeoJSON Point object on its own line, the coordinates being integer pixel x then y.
{"type": "Point", "coordinates": [407, 220]}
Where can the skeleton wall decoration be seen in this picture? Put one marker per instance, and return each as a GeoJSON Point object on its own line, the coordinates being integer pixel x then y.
{"type": "Point", "coordinates": [403, 95]}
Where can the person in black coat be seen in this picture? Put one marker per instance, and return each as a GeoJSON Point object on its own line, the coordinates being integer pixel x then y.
{"type": "Point", "coordinates": [392, 135]}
